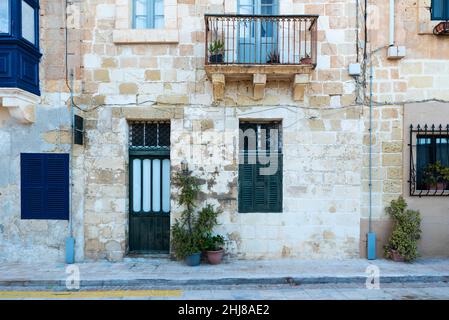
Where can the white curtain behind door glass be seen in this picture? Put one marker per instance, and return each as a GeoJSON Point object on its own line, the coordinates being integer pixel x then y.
{"type": "Point", "coordinates": [28, 22]}
{"type": "Point", "coordinates": [166, 185]}
{"type": "Point", "coordinates": [146, 192]}
{"type": "Point", "coordinates": [156, 185]}
{"type": "Point", "coordinates": [137, 193]}
{"type": "Point", "coordinates": [4, 16]}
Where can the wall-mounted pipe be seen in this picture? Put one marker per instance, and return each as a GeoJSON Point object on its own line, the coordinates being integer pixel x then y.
{"type": "Point", "coordinates": [392, 23]}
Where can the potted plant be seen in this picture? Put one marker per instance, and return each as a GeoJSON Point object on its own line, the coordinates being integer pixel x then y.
{"type": "Point", "coordinates": [185, 236]}
{"type": "Point", "coordinates": [306, 60]}
{"type": "Point", "coordinates": [403, 243]}
{"type": "Point", "coordinates": [216, 51]}
{"type": "Point", "coordinates": [214, 248]}
{"type": "Point", "coordinates": [273, 57]}
{"type": "Point", "coordinates": [436, 176]}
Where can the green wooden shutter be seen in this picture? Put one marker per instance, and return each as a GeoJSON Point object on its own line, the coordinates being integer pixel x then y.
{"type": "Point", "coordinates": [246, 187]}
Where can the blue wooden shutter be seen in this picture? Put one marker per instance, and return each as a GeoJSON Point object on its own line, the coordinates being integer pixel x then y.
{"type": "Point", "coordinates": [45, 186]}
{"type": "Point", "coordinates": [440, 10]}
{"type": "Point", "coordinates": [57, 186]}
{"type": "Point", "coordinates": [32, 185]}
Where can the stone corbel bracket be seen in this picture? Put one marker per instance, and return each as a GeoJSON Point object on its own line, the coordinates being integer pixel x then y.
{"type": "Point", "coordinates": [218, 83]}
{"type": "Point", "coordinates": [299, 86]}
{"type": "Point", "coordinates": [20, 104]}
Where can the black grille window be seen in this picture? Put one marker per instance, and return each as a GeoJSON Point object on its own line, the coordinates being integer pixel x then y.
{"type": "Point", "coordinates": [429, 161]}
{"type": "Point", "coordinates": [149, 135]}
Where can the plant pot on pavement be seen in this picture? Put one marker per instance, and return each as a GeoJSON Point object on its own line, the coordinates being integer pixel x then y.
{"type": "Point", "coordinates": [396, 256]}
{"type": "Point", "coordinates": [193, 259]}
{"type": "Point", "coordinates": [215, 257]}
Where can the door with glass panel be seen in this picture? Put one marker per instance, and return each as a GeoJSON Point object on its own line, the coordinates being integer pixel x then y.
{"type": "Point", "coordinates": [149, 187]}
{"type": "Point", "coordinates": [258, 36]}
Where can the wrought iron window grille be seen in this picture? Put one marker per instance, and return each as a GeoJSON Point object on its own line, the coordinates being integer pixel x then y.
{"type": "Point", "coordinates": [149, 135]}
{"type": "Point", "coordinates": [427, 145]}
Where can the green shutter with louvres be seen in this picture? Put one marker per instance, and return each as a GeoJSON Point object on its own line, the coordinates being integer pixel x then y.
{"type": "Point", "coordinates": [260, 193]}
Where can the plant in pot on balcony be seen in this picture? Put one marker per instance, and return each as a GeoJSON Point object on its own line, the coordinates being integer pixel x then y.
{"type": "Point", "coordinates": [216, 49]}
{"type": "Point", "coordinates": [306, 60]}
{"type": "Point", "coordinates": [273, 57]}
{"type": "Point", "coordinates": [403, 243]}
{"type": "Point", "coordinates": [436, 176]}
{"type": "Point", "coordinates": [185, 234]}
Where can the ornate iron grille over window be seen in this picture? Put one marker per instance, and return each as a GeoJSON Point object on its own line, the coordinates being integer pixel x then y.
{"type": "Point", "coordinates": [429, 160]}
{"type": "Point", "coordinates": [149, 135]}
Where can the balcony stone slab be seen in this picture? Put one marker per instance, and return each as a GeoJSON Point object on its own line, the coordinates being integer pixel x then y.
{"type": "Point", "coordinates": [20, 104]}
{"type": "Point", "coordinates": [219, 74]}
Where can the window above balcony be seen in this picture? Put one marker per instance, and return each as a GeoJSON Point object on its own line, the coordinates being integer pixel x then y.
{"type": "Point", "coordinates": [260, 48]}
{"type": "Point", "coordinates": [19, 57]}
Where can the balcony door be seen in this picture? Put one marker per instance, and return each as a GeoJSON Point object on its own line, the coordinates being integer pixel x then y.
{"type": "Point", "coordinates": [257, 34]}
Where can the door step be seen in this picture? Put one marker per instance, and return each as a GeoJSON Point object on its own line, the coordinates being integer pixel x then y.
{"type": "Point", "coordinates": [147, 256]}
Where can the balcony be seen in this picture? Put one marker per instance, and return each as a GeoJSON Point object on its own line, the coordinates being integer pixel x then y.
{"type": "Point", "coordinates": [260, 48]}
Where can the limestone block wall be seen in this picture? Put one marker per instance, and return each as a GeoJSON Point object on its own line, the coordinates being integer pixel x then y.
{"type": "Point", "coordinates": [39, 240]}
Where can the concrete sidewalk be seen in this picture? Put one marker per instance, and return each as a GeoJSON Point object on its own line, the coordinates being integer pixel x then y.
{"type": "Point", "coordinates": [140, 272]}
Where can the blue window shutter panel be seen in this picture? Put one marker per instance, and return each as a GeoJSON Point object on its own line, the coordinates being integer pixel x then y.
{"type": "Point", "coordinates": [45, 186]}
{"type": "Point", "coordinates": [32, 168]}
{"type": "Point", "coordinates": [440, 10]}
{"type": "Point", "coordinates": [57, 189]}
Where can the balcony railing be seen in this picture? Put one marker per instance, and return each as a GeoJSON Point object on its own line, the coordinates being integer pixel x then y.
{"type": "Point", "coordinates": [266, 40]}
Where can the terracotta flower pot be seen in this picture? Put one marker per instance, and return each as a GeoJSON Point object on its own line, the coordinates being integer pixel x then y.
{"type": "Point", "coordinates": [306, 61]}
{"type": "Point", "coordinates": [215, 257]}
{"type": "Point", "coordinates": [396, 256]}
{"type": "Point", "coordinates": [437, 186]}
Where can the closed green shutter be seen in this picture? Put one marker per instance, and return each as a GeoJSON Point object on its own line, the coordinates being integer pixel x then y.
{"type": "Point", "coordinates": [260, 193]}
{"type": "Point", "coordinates": [246, 187]}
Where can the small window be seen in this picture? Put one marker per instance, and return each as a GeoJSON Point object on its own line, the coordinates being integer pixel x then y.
{"type": "Point", "coordinates": [44, 186]}
{"type": "Point", "coordinates": [260, 167]}
{"type": "Point", "coordinates": [148, 14]}
{"type": "Point", "coordinates": [431, 150]}
{"type": "Point", "coordinates": [429, 160]}
{"type": "Point", "coordinates": [28, 22]}
{"type": "Point", "coordinates": [440, 10]}
{"type": "Point", "coordinates": [4, 16]}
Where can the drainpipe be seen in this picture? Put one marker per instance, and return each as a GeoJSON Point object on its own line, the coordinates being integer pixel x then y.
{"type": "Point", "coordinates": [371, 236]}
{"type": "Point", "coordinates": [70, 240]}
{"type": "Point", "coordinates": [392, 23]}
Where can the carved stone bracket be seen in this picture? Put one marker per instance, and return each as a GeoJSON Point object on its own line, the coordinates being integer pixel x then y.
{"type": "Point", "coordinates": [218, 82]}
{"type": "Point", "coordinates": [299, 86]}
{"type": "Point", "coordinates": [21, 104]}
{"type": "Point", "coordinates": [259, 82]}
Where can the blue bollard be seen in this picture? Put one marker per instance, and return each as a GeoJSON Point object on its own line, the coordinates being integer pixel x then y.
{"type": "Point", "coordinates": [371, 237]}
{"type": "Point", "coordinates": [70, 250]}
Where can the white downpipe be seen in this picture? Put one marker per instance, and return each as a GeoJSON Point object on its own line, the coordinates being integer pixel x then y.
{"type": "Point", "coordinates": [392, 23]}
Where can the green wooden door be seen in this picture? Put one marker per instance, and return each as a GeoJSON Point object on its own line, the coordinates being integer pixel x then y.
{"type": "Point", "coordinates": [149, 189]}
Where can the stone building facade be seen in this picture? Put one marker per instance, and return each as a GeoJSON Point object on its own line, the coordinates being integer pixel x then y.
{"type": "Point", "coordinates": [119, 74]}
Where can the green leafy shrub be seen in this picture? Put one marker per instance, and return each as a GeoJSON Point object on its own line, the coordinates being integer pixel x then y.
{"type": "Point", "coordinates": [212, 243]}
{"type": "Point", "coordinates": [185, 239]}
{"type": "Point", "coordinates": [435, 173]}
{"type": "Point", "coordinates": [191, 231]}
{"type": "Point", "coordinates": [406, 230]}
{"type": "Point", "coordinates": [216, 47]}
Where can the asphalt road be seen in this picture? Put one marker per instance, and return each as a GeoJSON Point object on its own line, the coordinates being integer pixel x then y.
{"type": "Point", "coordinates": [395, 291]}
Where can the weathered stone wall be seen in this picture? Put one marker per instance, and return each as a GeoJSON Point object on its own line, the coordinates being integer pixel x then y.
{"type": "Point", "coordinates": [38, 240]}
{"type": "Point", "coordinates": [419, 77]}
{"type": "Point", "coordinates": [122, 74]}
{"type": "Point", "coordinates": [139, 78]}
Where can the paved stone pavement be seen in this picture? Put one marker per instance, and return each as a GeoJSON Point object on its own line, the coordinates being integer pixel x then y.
{"type": "Point", "coordinates": [390, 291]}
{"type": "Point", "coordinates": [139, 271]}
